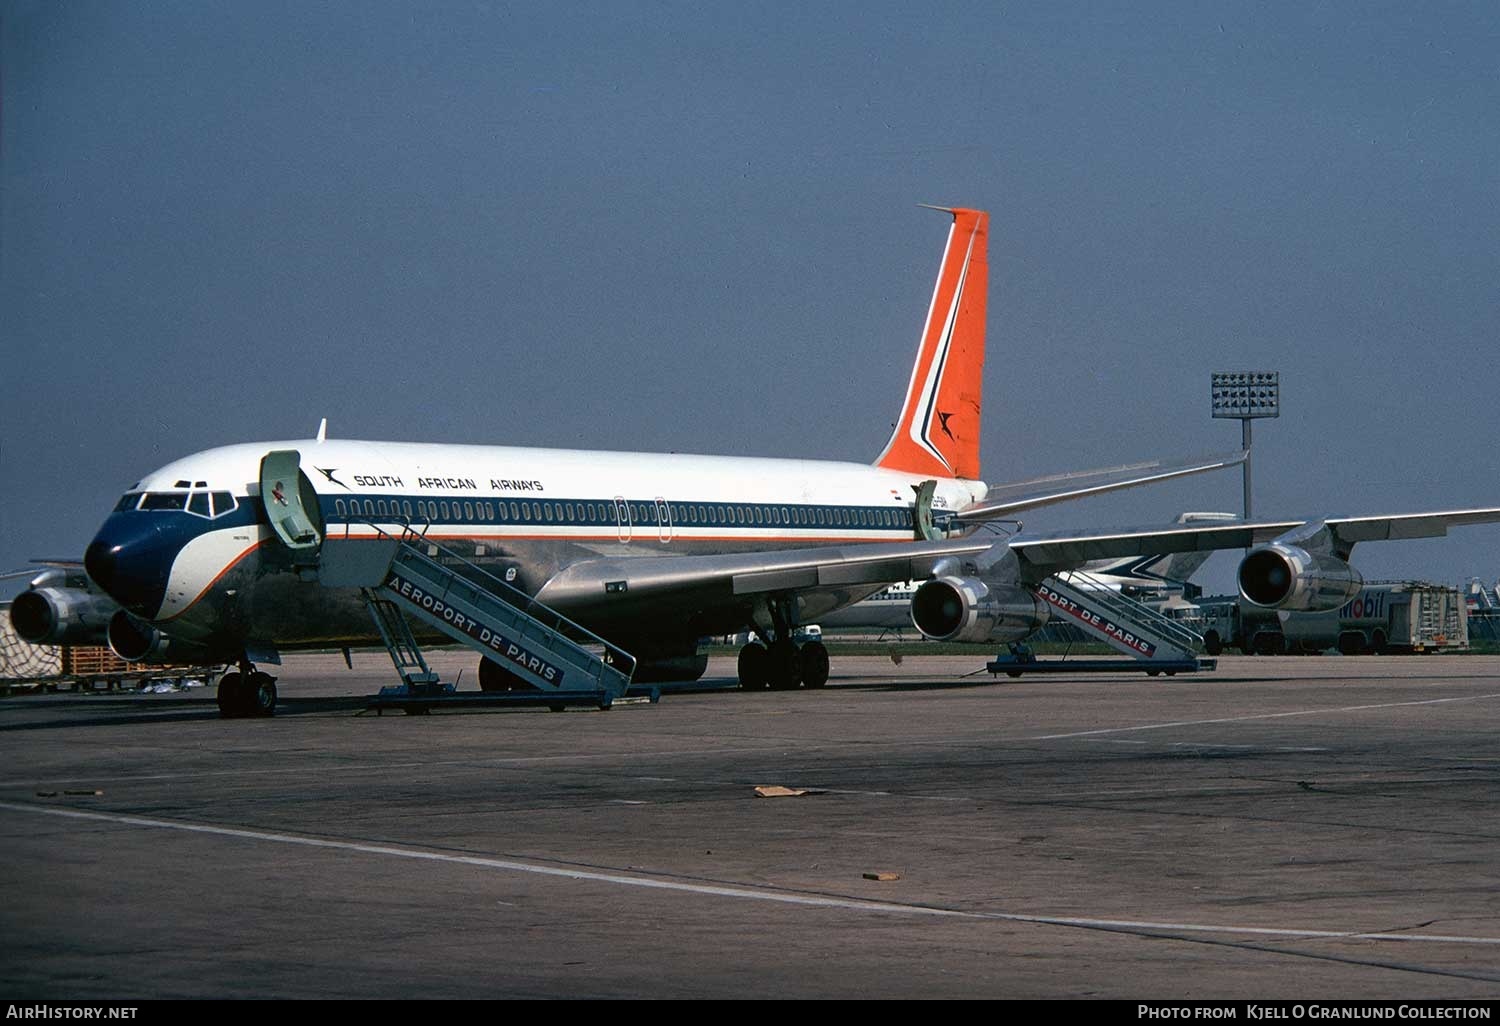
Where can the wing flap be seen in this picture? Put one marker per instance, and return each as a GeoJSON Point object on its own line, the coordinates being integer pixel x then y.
{"type": "Point", "coordinates": [775, 580]}
{"type": "Point", "coordinates": [601, 581]}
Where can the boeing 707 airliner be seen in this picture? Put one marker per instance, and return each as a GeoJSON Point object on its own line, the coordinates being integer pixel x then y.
{"type": "Point", "coordinates": [223, 556]}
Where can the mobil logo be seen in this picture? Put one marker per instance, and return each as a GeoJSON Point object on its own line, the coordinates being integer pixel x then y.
{"type": "Point", "coordinates": [1367, 605]}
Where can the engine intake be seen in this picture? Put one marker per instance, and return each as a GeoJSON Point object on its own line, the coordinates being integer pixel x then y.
{"type": "Point", "coordinates": [968, 609]}
{"type": "Point", "coordinates": [61, 616]}
{"type": "Point", "coordinates": [1281, 576]}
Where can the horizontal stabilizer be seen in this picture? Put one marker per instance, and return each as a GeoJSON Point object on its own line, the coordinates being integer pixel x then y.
{"type": "Point", "coordinates": [1009, 499]}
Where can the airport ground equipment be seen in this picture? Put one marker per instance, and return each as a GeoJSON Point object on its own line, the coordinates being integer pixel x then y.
{"type": "Point", "coordinates": [1384, 617]}
{"type": "Point", "coordinates": [1121, 622]}
{"type": "Point", "coordinates": [1020, 659]}
{"type": "Point", "coordinates": [1156, 643]}
{"type": "Point", "coordinates": [1480, 598]}
{"type": "Point", "coordinates": [1484, 625]}
{"type": "Point", "coordinates": [532, 653]}
{"type": "Point", "coordinates": [1483, 611]}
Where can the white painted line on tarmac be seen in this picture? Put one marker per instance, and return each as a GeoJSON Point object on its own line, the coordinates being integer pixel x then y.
{"type": "Point", "coordinates": [508, 865]}
{"type": "Point", "coordinates": [1262, 716]}
{"type": "Point", "coordinates": [740, 893]}
{"type": "Point", "coordinates": [1259, 931]}
{"type": "Point", "coordinates": [1206, 744]}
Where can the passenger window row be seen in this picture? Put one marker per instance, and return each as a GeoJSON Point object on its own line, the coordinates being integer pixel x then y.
{"type": "Point", "coordinates": [611, 514]}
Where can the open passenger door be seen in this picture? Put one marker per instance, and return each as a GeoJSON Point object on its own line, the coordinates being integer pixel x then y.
{"type": "Point", "coordinates": [290, 501]}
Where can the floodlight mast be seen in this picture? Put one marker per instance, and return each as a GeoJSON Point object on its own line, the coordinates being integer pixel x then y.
{"type": "Point", "coordinates": [1245, 396]}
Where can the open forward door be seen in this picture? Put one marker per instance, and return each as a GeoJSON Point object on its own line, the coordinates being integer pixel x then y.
{"type": "Point", "coordinates": [291, 504]}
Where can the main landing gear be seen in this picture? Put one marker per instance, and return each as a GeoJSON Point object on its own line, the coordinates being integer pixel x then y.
{"type": "Point", "coordinates": [246, 693]}
{"type": "Point", "coordinates": [781, 664]}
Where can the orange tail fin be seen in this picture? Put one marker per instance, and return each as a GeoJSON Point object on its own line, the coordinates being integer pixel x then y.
{"type": "Point", "coordinates": [938, 432]}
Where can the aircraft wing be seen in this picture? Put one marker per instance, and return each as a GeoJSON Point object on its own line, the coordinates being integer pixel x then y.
{"type": "Point", "coordinates": [8, 575]}
{"type": "Point", "coordinates": [713, 591]}
{"type": "Point", "coordinates": [1007, 499]}
{"type": "Point", "coordinates": [1045, 554]}
{"type": "Point", "coordinates": [61, 564]}
{"type": "Point", "coordinates": [41, 566]}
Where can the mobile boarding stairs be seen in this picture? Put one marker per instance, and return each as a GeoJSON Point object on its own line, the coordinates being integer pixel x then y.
{"type": "Point", "coordinates": [410, 575]}
{"type": "Point", "coordinates": [1156, 643]}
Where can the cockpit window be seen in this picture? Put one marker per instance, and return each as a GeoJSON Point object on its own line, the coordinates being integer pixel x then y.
{"type": "Point", "coordinates": [165, 500]}
{"type": "Point", "coordinates": [205, 504]}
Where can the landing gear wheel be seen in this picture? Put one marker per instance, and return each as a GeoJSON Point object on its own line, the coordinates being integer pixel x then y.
{"type": "Point", "coordinates": [753, 666]}
{"type": "Point", "coordinates": [784, 665]}
{"type": "Point", "coordinates": [814, 665]}
{"type": "Point", "coordinates": [260, 695]}
{"type": "Point", "coordinates": [232, 696]}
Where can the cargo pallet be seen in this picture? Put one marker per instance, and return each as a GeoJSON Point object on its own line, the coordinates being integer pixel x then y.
{"type": "Point", "coordinates": [109, 682]}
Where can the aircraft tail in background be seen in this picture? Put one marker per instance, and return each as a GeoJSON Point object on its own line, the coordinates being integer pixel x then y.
{"type": "Point", "coordinates": [1173, 567]}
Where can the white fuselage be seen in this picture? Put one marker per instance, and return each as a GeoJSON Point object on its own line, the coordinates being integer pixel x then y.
{"type": "Point", "coordinates": [530, 512]}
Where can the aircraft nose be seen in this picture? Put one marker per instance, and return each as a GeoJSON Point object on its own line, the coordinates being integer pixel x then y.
{"type": "Point", "coordinates": [130, 559]}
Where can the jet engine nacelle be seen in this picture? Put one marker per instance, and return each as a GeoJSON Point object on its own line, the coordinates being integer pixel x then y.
{"type": "Point", "coordinates": [62, 616]}
{"type": "Point", "coordinates": [968, 609]}
{"type": "Point", "coordinates": [137, 642]}
{"type": "Point", "coordinates": [1282, 576]}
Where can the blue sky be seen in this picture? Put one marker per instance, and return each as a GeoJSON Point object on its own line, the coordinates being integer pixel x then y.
{"type": "Point", "coordinates": [693, 227]}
